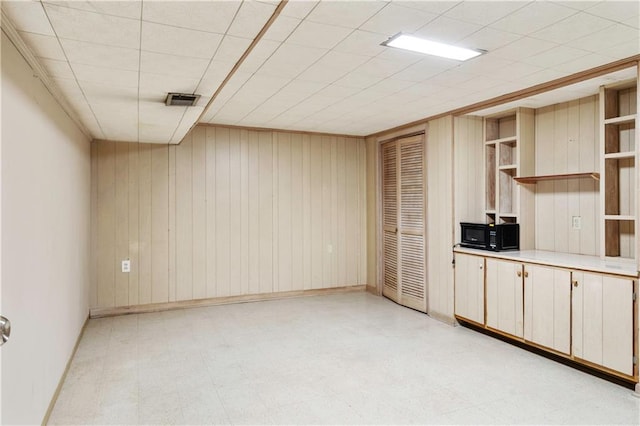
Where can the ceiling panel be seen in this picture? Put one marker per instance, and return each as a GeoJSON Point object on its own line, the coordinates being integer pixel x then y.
{"type": "Point", "coordinates": [320, 67]}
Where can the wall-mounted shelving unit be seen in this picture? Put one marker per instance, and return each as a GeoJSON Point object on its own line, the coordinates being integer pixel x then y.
{"type": "Point", "coordinates": [536, 179]}
{"type": "Point", "coordinates": [618, 164]}
{"type": "Point", "coordinates": [508, 148]}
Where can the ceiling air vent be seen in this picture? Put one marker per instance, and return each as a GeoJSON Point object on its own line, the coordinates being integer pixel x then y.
{"type": "Point", "coordinates": [181, 99]}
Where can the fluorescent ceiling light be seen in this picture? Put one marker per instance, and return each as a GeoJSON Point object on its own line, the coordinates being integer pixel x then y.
{"type": "Point", "coordinates": [421, 45]}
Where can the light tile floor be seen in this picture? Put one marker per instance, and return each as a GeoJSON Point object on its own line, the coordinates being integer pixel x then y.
{"type": "Point", "coordinates": [338, 359]}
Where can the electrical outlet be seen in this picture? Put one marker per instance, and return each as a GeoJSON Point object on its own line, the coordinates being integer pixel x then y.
{"type": "Point", "coordinates": [126, 265]}
{"type": "Point", "coordinates": [576, 222]}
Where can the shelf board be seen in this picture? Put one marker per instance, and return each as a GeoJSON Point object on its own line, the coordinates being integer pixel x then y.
{"type": "Point", "coordinates": [508, 167]}
{"type": "Point", "coordinates": [501, 140]}
{"type": "Point", "coordinates": [621, 120]}
{"type": "Point", "coordinates": [508, 215]}
{"type": "Point", "coordinates": [619, 155]}
{"type": "Point", "coordinates": [619, 217]}
{"type": "Point", "coordinates": [536, 179]}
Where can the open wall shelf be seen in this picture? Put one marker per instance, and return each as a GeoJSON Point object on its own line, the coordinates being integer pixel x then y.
{"type": "Point", "coordinates": [536, 179]}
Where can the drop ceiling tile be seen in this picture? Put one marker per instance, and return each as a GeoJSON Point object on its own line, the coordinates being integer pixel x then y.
{"type": "Point", "coordinates": [214, 76]}
{"type": "Point", "coordinates": [100, 55]}
{"type": "Point", "coordinates": [420, 71]}
{"type": "Point", "coordinates": [290, 60]}
{"type": "Point", "coordinates": [124, 9]}
{"type": "Point", "coordinates": [345, 13]}
{"type": "Point", "coordinates": [483, 12]}
{"type": "Point", "coordinates": [281, 28]}
{"type": "Point", "coordinates": [158, 114]}
{"type": "Point", "coordinates": [118, 111]}
{"type": "Point", "coordinates": [181, 66]}
{"type": "Point", "coordinates": [540, 77]}
{"type": "Point", "coordinates": [555, 56]}
{"type": "Point", "coordinates": [488, 39]}
{"type": "Point", "coordinates": [483, 65]}
{"type": "Point", "coordinates": [578, 4]}
{"type": "Point", "coordinates": [262, 86]}
{"type": "Point", "coordinates": [598, 41]}
{"type": "Point", "coordinates": [44, 46]}
{"type": "Point", "coordinates": [250, 19]}
{"type": "Point", "coordinates": [633, 22]}
{"type": "Point", "coordinates": [389, 86]}
{"type": "Point", "coordinates": [402, 56]}
{"type": "Point", "coordinates": [332, 66]}
{"type": "Point", "coordinates": [211, 16]}
{"type": "Point", "coordinates": [28, 16]}
{"type": "Point", "coordinates": [480, 83]}
{"type": "Point", "coordinates": [358, 79]}
{"type": "Point", "coordinates": [178, 41]}
{"type": "Point", "coordinates": [451, 78]}
{"type": "Point", "coordinates": [362, 43]}
{"type": "Point", "coordinates": [380, 68]}
{"type": "Point", "coordinates": [447, 30]}
{"type": "Point", "coordinates": [57, 69]}
{"type": "Point", "coordinates": [108, 76]}
{"type": "Point", "coordinates": [298, 8]}
{"type": "Point", "coordinates": [515, 71]}
{"type": "Point", "coordinates": [94, 27]}
{"type": "Point", "coordinates": [154, 87]}
{"type": "Point", "coordinates": [571, 28]}
{"type": "Point", "coordinates": [394, 19]}
{"type": "Point", "coordinates": [523, 48]}
{"type": "Point", "coordinates": [311, 34]}
{"type": "Point", "coordinates": [533, 17]}
{"type": "Point", "coordinates": [232, 48]}
{"type": "Point", "coordinates": [98, 92]}
{"type": "Point", "coordinates": [436, 7]}
{"type": "Point", "coordinates": [190, 117]}
{"type": "Point", "coordinates": [337, 92]}
{"type": "Point", "coordinates": [583, 63]}
{"type": "Point", "coordinates": [618, 11]}
{"type": "Point", "coordinates": [622, 50]}
{"type": "Point", "coordinates": [260, 53]}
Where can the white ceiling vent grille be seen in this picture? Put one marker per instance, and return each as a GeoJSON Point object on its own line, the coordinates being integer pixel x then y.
{"type": "Point", "coordinates": [181, 99]}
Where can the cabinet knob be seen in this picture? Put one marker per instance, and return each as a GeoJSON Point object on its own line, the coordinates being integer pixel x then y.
{"type": "Point", "coordinates": [575, 283]}
{"type": "Point", "coordinates": [519, 273]}
{"type": "Point", "coordinates": [526, 274]}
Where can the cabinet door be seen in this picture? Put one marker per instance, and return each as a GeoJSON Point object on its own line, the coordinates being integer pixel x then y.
{"type": "Point", "coordinates": [547, 307]}
{"type": "Point", "coordinates": [603, 320]}
{"type": "Point", "coordinates": [469, 287]}
{"type": "Point", "coordinates": [504, 296]}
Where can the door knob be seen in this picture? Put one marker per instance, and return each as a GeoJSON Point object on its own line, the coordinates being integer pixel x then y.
{"type": "Point", "coordinates": [5, 330]}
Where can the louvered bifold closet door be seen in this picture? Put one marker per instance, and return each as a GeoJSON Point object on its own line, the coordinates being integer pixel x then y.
{"type": "Point", "coordinates": [390, 160]}
{"type": "Point", "coordinates": [403, 219]}
{"type": "Point", "coordinates": [412, 220]}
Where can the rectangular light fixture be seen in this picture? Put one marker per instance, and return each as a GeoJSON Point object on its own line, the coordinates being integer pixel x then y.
{"type": "Point", "coordinates": [429, 47]}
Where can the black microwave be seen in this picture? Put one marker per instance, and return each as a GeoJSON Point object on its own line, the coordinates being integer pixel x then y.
{"type": "Point", "coordinates": [495, 237]}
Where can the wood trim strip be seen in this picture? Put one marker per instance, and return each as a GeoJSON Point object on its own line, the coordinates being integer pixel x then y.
{"type": "Point", "coordinates": [54, 398]}
{"type": "Point", "coordinates": [524, 93]}
{"type": "Point", "coordinates": [214, 301]}
{"type": "Point", "coordinates": [240, 61]}
{"type": "Point", "coordinates": [269, 129]}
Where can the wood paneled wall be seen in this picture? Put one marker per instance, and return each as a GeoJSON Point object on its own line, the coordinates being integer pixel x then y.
{"type": "Point", "coordinates": [566, 141]}
{"type": "Point", "coordinates": [227, 212]}
{"type": "Point", "coordinates": [468, 171]}
{"type": "Point", "coordinates": [372, 214]}
{"type": "Point", "coordinates": [440, 217]}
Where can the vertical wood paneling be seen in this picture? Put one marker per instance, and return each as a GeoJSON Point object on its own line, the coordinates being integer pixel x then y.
{"type": "Point", "coordinates": [222, 212]}
{"type": "Point", "coordinates": [235, 235]}
{"type": "Point", "coordinates": [227, 212]}
{"type": "Point", "coordinates": [93, 291]}
{"type": "Point", "coordinates": [134, 213]}
{"type": "Point", "coordinates": [372, 215]}
{"type": "Point", "coordinates": [210, 228]}
{"type": "Point", "coordinates": [199, 212]}
{"type": "Point", "coordinates": [159, 224]}
{"type": "Point", "coordinates": [121, 222]}
{"type": "Point", "coordinates": [266, 211]}
{"type": "Point", "coordinates": [284, 215]}
{"type": "Point", "coordinates": [567, 142]}
{"type": "Point", "coordinates": [297, 213]}
{"type": "Point", "coordinates": [254, 212]}
{"type": "Point", "coordinates": [144, 223]}
{"type": "Point", "coordinates": [173, 273]}
{"type": "Point", "coordinates": [184, 220]}
{"type": "Point", "coordinates": [244, 212]}
{"type": "Point", "coordinates": [106, 224]}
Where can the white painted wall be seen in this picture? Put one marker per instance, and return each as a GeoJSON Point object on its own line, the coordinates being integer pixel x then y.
{"type": "Point", "coordinates": [45, 239]}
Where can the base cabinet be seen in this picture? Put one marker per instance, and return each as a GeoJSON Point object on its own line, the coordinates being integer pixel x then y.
{"type": "Point", "coordinates": [504, 296]}
{"type": "Point", "coordinates": [547, 307]}
{"type": "Point", "coordinates": [469, 287]}
{"type": "Point", "coordinates": [585, 316]}
{"type": "Point", "coordinates": [602, 332]}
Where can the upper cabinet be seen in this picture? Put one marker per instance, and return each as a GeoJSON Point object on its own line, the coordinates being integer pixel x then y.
{"type": "Point", "coordinates": [509, 152]}
{"type": "Point", "coordinates": [619, 156]}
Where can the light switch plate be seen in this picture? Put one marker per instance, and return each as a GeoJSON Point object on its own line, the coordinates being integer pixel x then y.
{"type": "Point", "coordinates": [126, 265]}
{"type": "Point", "coordinates": [576, 222]}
